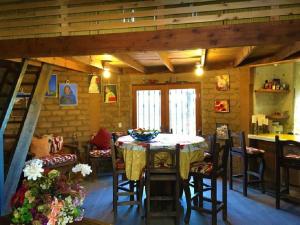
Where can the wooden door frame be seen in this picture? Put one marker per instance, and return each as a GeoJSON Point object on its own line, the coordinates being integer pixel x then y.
{"type": "Point", "coordinates": [165, 98]}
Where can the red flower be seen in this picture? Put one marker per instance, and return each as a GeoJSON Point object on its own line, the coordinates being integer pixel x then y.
{"type": "Point", "coordinates": [19, 196]}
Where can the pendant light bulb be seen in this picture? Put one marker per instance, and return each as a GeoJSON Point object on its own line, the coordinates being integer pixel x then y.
{"type": "Point", "coordinates": [199, 70]}
{"type": "Point", "coordinates": [106, 73]}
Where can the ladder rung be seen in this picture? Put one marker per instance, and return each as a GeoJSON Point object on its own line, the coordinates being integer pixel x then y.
{"type": "Point", "coordinates": [162, 198]}
{"type": "Point", "coordinates": [28, 83]}
{"type": "Point", "coordinates": [14, 122]}
{"type": "Point", "coordinates": [19, 108]}
{"type": "Point", "coordinates": [10, 136]}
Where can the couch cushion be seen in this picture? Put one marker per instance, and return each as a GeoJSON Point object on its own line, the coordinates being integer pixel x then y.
{"type": "Point", "coordinates": [40, 147]}
{"type": "Point", "coordinates": [102, 139]}
{"type": "Point", "coordinates": [58, 159]}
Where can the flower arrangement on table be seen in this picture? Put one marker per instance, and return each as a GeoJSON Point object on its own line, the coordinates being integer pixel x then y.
{"type": "Point", "coordinates": [48, 197]}
{"type": "Point", "coordinates": [143, 134]}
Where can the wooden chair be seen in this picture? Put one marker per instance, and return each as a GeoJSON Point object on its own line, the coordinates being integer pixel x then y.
{"type": "Point", "coordinates": [247, 154]}
{"type": "Point", "coordinates": [211, 171]}
{"type": "Point", "coordinates": [286, 160]}
{"type": "Point", "coordinates": [123, 187]}
{"type": "Point", "coordinates": [168, 172]}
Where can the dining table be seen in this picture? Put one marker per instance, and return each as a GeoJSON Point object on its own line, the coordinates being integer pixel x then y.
{"type": "Point", "coordinates": [192, 149]}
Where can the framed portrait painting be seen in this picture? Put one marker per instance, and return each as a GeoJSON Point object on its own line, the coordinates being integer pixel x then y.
{"type": "Point", "coordinates": [222, 106]}
{"type": "Point", "coordinates": [68, 95]}
{"type": "Point", "coordinates": [94, 84]}
{"type": "Point", "coordinates": [110, 93]}
{"type": "Point", "coordinates": [52, 86]}
{"type": "Point", "coordinates": [222, 82]}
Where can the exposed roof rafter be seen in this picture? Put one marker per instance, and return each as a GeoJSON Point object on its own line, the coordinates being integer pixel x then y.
{"type": "Point", "coordinates": [166, 61]}
{"type": "Point", "coordinates": [127, 59]}
{"type": "Point", "coordinates": [243, 55]}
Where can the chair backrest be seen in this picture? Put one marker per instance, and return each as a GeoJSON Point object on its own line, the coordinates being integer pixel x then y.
{"type": "Point", "coordinates": [219, 154]}
{"type": "Point", "coordinates": [162, 160]}
{"type": "Point", "coordinates": [237, 141]}
{"type": "Point", "coordinates": [114, 149]}
{"type": "Point", "coordinates": [282, 145]}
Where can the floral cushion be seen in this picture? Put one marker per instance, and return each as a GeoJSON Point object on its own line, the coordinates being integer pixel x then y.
{"type": "Point", "coordinates": [251, 150]}
{"type": "Point", "coordinates": [292, 156]}
{"type": "Point", "coordinates": [58, 159]}
{"type": "Point", "coordinates": [201, 167]}
{"type": "Point", "coordinates": [102, 153]}
{"type": "Point", "coordinates": [120, 164]}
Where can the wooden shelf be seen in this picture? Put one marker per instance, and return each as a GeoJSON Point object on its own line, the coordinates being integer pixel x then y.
{"type": "Point", "coordinates": [277, 117]}
{"type": "Point", "coordinates": [271, 91]}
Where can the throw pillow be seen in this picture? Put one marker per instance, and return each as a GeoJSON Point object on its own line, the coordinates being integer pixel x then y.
{"type": "Point", "coordinates": [102, 139]}
{"type": "Point", "coordinates": [40, 147]}
{"type": "Point", "coordinates": [56, 144]}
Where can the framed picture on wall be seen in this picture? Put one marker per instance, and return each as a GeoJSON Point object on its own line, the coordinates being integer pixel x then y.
{"type": "Point", "coordinates": [222, 82]}
{"type": "Point", "coordinates": [52, 86]}
{"type": "Point", "coordinates": [110, 93]}
{"type": "Point", "coordinates": [94, 84]}
{"type": "Point", "coordinates": [222, 106]}
{"type": "Point", "coordinates": [68, 95]}
{"type": "Point", "coordinates": [222, 130]}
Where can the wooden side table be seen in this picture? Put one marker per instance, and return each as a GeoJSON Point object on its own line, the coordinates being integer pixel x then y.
{"type": "Point", "coordinates": [5, 220]}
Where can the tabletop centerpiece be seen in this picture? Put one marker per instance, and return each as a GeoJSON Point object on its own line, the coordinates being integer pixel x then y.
{"type": "Point", "coordinates": [143, 134]}
{"type": "Point", "coordinates": [48, 197]}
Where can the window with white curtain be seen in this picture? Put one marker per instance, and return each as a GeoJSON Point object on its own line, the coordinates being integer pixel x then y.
{"type": "Point", "coordinates": [148, 107]}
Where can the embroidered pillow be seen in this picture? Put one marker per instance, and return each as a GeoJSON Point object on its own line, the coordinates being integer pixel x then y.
{"type": "Point", "coordinates": [56, 144]}
{"type": "Point", "coordinates": [102, 139]}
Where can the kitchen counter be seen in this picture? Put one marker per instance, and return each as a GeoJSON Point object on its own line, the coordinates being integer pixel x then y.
{"type": "Point", "coordinates": [267, 143]}
{"type": "Point", "coordinates": [271, 137]}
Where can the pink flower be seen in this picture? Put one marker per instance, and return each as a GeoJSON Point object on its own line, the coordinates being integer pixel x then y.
{"type": "Point", "coordinates": [56, 207]}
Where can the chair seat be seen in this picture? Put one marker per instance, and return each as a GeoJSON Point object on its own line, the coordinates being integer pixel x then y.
{"type": "Point", "coordinates": [201, 167]}
{"type": "Point", "coordinates": [292, 156]}
{"type": "Point", "coordinates": [100, 153]}
{"type": "Point", "coordinates": [249, 150]}
{"type": "Point", "coordinates": [254, 151]}
{"type": "Point", "coordinates": [58, 159]}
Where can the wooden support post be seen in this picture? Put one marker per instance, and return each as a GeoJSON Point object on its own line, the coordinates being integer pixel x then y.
{"type": "Point", "coordinates": [18, 160]}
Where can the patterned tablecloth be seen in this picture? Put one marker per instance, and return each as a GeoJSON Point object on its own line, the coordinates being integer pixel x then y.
{"type": "Point", "coordinates": [192, 149]}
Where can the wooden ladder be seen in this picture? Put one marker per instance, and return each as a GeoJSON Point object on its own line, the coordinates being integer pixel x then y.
{"type": "Point", "coordinates": [22, 91]}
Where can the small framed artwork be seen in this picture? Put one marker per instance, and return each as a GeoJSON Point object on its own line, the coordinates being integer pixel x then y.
{"type": "Point", "coordinates": [52, 86]}
{"type": "Point", "coordinates": [68, 95]}
{"type": "Point", "coordinates": [222, 130]}
{"type": "Point", "coordinates": [222, 82]}
{"type": "Point", "coordinates": [110, 93]}
{"type": "Point", "coordinates": [95, 84]}
{"type": "Point", "coordinates": [222, 106]}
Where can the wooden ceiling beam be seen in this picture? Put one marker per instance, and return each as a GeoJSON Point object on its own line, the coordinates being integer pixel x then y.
{"type": "Point", "coordinates": [166, 61]}
{"type": "Point", "coordinates": [284, 53]}
{"type": "Point", "coordinates": [127, 59]}
{"type": "Point", "coordinates": [71, 64]}
{"type": "Point", "coordinates": [219, 36]}
{"type": "Point", "coordinates": [243, 55]}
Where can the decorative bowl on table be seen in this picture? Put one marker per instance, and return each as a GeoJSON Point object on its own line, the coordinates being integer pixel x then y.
{"type": "Point", "coordinates": [142, 134]}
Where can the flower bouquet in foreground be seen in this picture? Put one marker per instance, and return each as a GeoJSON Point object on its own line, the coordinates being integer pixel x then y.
{"type": "Point", "coordinates": [48, 197]}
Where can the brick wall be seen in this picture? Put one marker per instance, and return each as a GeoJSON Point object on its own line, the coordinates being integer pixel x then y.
{"type": "Point", "coordinates": [238, 117]}
{"type": "Point", "coordinates": [69, 120]}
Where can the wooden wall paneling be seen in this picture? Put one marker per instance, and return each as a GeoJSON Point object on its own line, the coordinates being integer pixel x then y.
{"type": "Point", "coordinates": [220, 36]}
{"type": "Point", "coordinates": [26, 134]}
{"type": "Point", "coordinates": [67, 18]}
